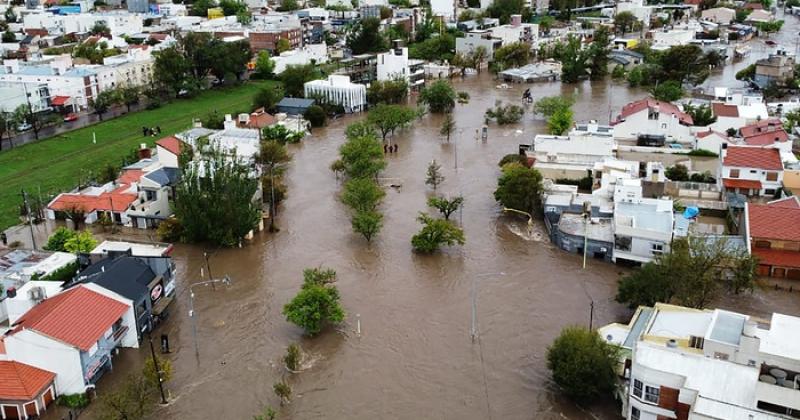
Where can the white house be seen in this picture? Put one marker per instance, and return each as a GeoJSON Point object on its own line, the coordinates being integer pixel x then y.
{"type": "Point", "coordinates": [338, 89]}
{"type": "Point", "coordinates": [685, 363]}
{"type": "Point", "coordinates": [478, 38]}
{"type": "Point", "coordinates": [516, 31]}
{"type": "Point", "coordinates": [651, 117]}
{"type": "Point", "coordinates": [310, 53]}
{"type": "Point", "coordinates": [74, 335]}
{"type": "Point", "coordinates": [663, 39]}
{"type": "Point", "coordinates": [13, 94]}
{"type": "Point", "coordinates": [710, 140]}
{"type": "Point", "coordinates": [751, 170]}
{"type": "Point", "coordinates": [574, 155]}
{"type": "Point", "coordinates": [78, 84]}
{"type": "Point", "coordinates": [642, 226]}
{"type": "Point", "coordinates": [444, 8]}
{"type": "Point", "coordinates": [737, 116]}
{"type": "Point", "coordinates": [396, 64]}
{"type": "Point", "coordinates": [719, 15]}
{"type": "Point", "coordinates": [637, 7]}
{"type": "Point", "coordinates": [27, 296]}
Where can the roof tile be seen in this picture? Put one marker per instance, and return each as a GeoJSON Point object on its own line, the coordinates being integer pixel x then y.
{"type": "Point", "coordinates": [753, 157]}
{"type": "Point", "coordinates": [19, 381]}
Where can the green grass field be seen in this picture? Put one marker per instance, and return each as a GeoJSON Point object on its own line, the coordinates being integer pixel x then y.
{"type": "Point", "coordinates": [56, 164]}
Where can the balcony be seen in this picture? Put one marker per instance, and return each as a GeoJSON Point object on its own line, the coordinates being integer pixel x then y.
{"type": "Point", "coordinates": [778, 390]}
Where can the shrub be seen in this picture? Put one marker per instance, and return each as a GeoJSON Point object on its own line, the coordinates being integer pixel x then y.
{"type": "Point", "coordinates": [73, 400]}
{"type": "Point", "coordinates": [315, 115]}
{"type": "Point", "coordinates": [292, 358]}
{"type": "Point", "coordinates": [512, 158]}
{"type": "Point", "coordinates": [170, 230]}
{"type": "Point", "coordinates": [504, 113]}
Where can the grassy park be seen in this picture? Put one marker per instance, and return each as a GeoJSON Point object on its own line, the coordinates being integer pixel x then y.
{"type": "Point", "coordinates": [56, 164]}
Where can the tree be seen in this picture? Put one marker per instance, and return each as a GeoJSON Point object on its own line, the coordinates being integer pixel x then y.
{"type": "Point", "coordinates": [131, 401]}
{"type": "Point", "coordinates": [388, 91]}
{"type": "Point", "coordinates": [549, 105]}
{"type": "Point", "coordinates": [362, 157]}
{"type": "Point", "coordinates": [317, 303]}
{"type": "Point", "coordinates": [25, 114]}
{"type": "Point", "coordinates": [273, 156]}
{"type": "Point", "coordinates": [129, 96]}
{"type": "Point", "coordinates": [448, 126]}
{"type": "Point", "coordinates": [512, 158]}
{"type": "Point", "coordinates": [288, 6]}
{"type": "Point", "coordinates": [153, 375]}
{"type": "Point", "coordinates": [598, 53]}
{"type": "Point", "coordinates": [232, 7]}
{"type": "Point", "coordinates": [367, 223]}
{"type": "Point", "coordinates": [437, 48]}
{"type": "Point", "coordinates": [315, 115]}
{"type": "Point", "coordinates": [625, 22]}
{"type": "Point", "coordinates": [668, 91]}
{"type": "Point", "coordinates": [434, 175]}
{"type": "Point", "coordinates": [103, 102]}
{"type": "Point", "coordinates": [6, 125]}
{"type": "Point", "coordinates": [439, 97]}
{"type": "Point", "coordinates": [747, 73]}
{"type": "Point", "coordinates": [519, 188]}
{"type": "Point", "coordinates": [200, 50]}
{"type": "Point", "coordinates": [100, 28]}
{"type": "Point", "coordinates": [365, 37]}
{"type": "Point", "coordinates": [388, 118]}
{"type": "Point", "coordinates": [281, 388]}
{"type": "Point", "coordinates": [200, 7]}
{"type": "Point", "coordinates": [435, 233]}
{"type": "Point", "coordinates": [560, 122]}
{"type": "Point", "coordinates": [81, 242]}
{"type": "Point", "coordinates": [574, 59]}
{"type": "Point", "coordinates": [294, 78]}
{"type": "Point", "coordinates": [446, 206]}
{"type": "Point", "coordinates": [743, 273]}
{"type": "Point", "coordinates": [9, 37]}
{"type": "Point", "coordinates": [512, 55]}
{"type": "Point", "coordinates": [701, 114]}
{"type": "Point", "coordinates": [229, 184]}
{"type": "Point", "coordinates": [677, 173]}
{"type": "Point", "coordinates": [267, 98]}
{"type": "Point", "coordinates": [282, 45]}
{"type": "Point", "coordinates": [265, 65]}
{"type": "Point", "coordinates": [684, 64]}
{"type": "Point", "coordinates": [504, 113]}
{"type": "Point", "coordinates": [582, 364]}
{"type": "Point", "coordinates": [645, 286]}
{"type": "Point", "coordinates": [171, 70]}
{"type": "Point", "coordinates": [362, 194]}
{"type": "Point", "coordinates": [503, 9]}
{"type": "Point", "coordinates": [58, 239]}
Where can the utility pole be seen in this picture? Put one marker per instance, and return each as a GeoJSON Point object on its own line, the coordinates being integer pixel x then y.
{"type": "Point", "coordinates": [591, 314]}
{"type": "Point", "coordinates": [157, 368]}
{"type": "Point", "coordinates": [226, 281]}
{"type": "Point", "coordinates": [30, 222]}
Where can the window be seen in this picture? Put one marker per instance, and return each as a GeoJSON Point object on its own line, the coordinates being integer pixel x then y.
{"type": "Point", "coordinates": [763, 244]}
{"type": "Point", "coordinates": [651, 394]}
{"type": "Point", "coordinates": [664, 126]}
{"type": "Point", "coordinates": [635, 413]}
{"type": "Point", "coordinates": [753, 171]}
{"type": "Point", "coordinates": [772, 176]}
{"type": "Point", "coordinates": [733, 173]}
{"type": "Point", "coordinates": [696, 342]}
{"type": "Point", "coordinates": [637, 388]}
{"type": "Point", "coordinates": [769, 191]}
{"type": "Point", "coordinates": [656, 249]}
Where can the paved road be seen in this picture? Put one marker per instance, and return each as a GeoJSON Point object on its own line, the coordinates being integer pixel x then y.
{"type": "Point", "coordinates": [84, 119]}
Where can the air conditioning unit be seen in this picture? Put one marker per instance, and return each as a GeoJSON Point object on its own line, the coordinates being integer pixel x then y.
{"type": "Point", "coordinates": [36, 294]}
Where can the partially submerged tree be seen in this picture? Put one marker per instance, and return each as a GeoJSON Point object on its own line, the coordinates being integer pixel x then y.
{"type": "Point", "coordinates": [583, 364]}
{"type": "Point", "coordinates": [367, 223]}
{"type": "Point", "coordinates": [519, 188]}
{"type": "Point", "coordinates": [283, 391]}
{"type": "Point", "coordinates": [362, 157]}
{"type": "Point", "coordinates": [448, 126]}
{"type": "Point", "coordinates": [504, 113]}
{"type": "Point", "coordinates": [388, 118]}
{"type": "Point", "coordinates": [317, 303]}
{"type": "Point", "coordinates": [436, 233]}
{"type": "Point", "coordinates": [446, 206]}
{"type": "Point", "coordinates": [273, 157]}
{"type": "Point", "coordinates": [81, 242]}
{"type": "Point", "coordinates": [433, 176]}
{"type": "Point", "coordinates": [439, 96]}
{"type": "Point", "coordinates": [362, 194]}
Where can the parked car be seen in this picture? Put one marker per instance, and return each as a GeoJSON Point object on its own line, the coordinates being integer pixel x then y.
{"type": "Point", "coordinates": [770, 42]}
{"type": "Point", "coordinates": [24, 126]}
{"type": "Point", "coordinates": [71, 117]}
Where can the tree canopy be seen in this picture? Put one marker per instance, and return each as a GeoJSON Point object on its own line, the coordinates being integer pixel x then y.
{"type": "Point", "coordinates": [436, 233]}
{"type": "Point", "coordinates": [388, 118]}
{"type": "Point", "coordinates": [582, 364]}
{"type": "Point", "coordinates": [519, 188]}
{"type": "Point", "coordinates": [439, 96]}
{"type": "Point", "coordinates": [295, 76]}
{"type": "Point", "coordinates": [366, 37]}
{"type": "Point", "coordinates": [317, 303]}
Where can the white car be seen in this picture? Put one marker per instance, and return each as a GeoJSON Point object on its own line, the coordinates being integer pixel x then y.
{"type": "Point", "coordinates": [24, 126]}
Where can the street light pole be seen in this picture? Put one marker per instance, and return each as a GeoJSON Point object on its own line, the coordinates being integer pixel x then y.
{"type": "Point", "coordinates": [474, 329]}
{"type": "Point", "coordinates": [157, 368]}
{"type": "Point", "coordinates": [226, 281]}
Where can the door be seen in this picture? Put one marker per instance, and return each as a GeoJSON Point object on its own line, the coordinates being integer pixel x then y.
{"type": "Point", "coordinates": [48, 397]}
{"type": "Point", "coordinates": [12, 412]}
{"type": "Point", "coordinates": [793, 274]}
{"type": "Point", "coordinates": [779, 272]}
{"type": "Point", "coordinates": [30, 409]}
{"type": "Point", "coordinates": [763, 270]}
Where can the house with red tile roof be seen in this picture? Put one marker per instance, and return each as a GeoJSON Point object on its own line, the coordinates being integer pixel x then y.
{"type": "Point", "coordinates": [773, 235]}
{"type": "Point", "coordinates": [767, 132]}
{"type": "Point", "coordinates": [752, 171]}
{"type": "Point", "coordinates": [710, 140]}
{"type": "Point", "coordinates": [168, 151]}
{"type": "Point", "coordinates": [735, 116]}
{"type": "Point", "coordinates": [73, 335]}
{"type": "Point", "coordinates": [655, 118]}
{"type": "Point", "coordinates": [25, 391]}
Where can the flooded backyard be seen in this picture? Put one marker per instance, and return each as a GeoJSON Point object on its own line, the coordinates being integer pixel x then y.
{"type": "Point", "coordinates": [414, 358]}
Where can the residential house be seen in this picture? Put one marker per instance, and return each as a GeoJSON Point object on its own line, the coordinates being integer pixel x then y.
{"type": "Point", "coordinates": [791, 177]}
{"type": "Point", "coordinates": [148, 282]}
{"type": "Point", "coordinates": [666, 38]}
{"type": "Point", "coordinates": [135, 249]}
{"type": "Point", "coordinates": [80, 85]}
{"type": "Point", "coordinates": [571, 156]}
{"type": "Point", "coordinates": [263, 32]}
{"type": "Point", "coordinates": [20, 300]}
{"type": "Point", "coordinates": [168, 151]}
{"type": "Point", "coordinates": [477, 25]}
{"type": "Point", "coordinates": [758, 16]}
{"type": "Point", "coordinates": [444, 8]}
{"type": "Point", "coordinates": [751, 171]}
{"type": "Point", "coordinates": [13, 94]}
{"type": "Point", "coordinates": [309, 54]}
{"type": "Point", "coordinates": [25, 391]}
{"type": "Point", "coordinates": [74, 335]}
{"type": "Point", "coordinates": [338, 90]}
{"type": "Point", "coordinates": [649, 117]}
{"type": "Point", "coordinates": [478, 38]}
{"type": "Point", "coordinates": [710, 140]}
{"type": "Point", "coordinates": [719, 15]}
{"type": "Point", "coordinates": [773, 236]}
{"type": "Point", "coordinates": [767, 132]}
{"type": "Point", "coordinates": [684, 363]}
{"type": "Point", "coordinates": [777, 68]}
{"type": "Point", "coordinates": [18, 267]}
{"type": "Point", "coordinates": [626, 58]}
{"type": "Point", "coordinates": [516, 31]}
{"type": "Point", "coordinates": [736, 116]}
{"type": "Point", "coordinates": [294, 106]}
{"type": "Point", "coordinates": [642, 226]}
{"type": "Point", "coordinates": [257, 119]}
{"type": "Point", "coordinates": [396, 64]}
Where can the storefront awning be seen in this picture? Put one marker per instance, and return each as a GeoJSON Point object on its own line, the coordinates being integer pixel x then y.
{"type": "Point", "coordinates": [59, 100]}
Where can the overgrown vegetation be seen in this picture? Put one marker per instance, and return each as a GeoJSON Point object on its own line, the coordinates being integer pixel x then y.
{"type": "Point", "coordinates": [317, 304]}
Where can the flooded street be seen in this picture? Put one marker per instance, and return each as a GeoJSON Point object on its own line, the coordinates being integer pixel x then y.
{"type": "Point", "coordinates": [414, 358]}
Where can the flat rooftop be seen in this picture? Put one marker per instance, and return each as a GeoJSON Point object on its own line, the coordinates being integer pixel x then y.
{"type": "Point", "coordinates": [601, 229]}
{"type": "Point", "coordinates": [647, 215]}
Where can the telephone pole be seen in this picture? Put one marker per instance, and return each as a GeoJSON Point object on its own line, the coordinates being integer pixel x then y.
{"type": "Point", "coordinates": [157, 368]}
{"type": "Point", "coordinates": [30, 221]}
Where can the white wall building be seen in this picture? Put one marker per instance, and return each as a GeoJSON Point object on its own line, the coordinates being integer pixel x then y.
{"type": "Point", "coordinates": [651, 117]}
{"type": "Point", "coordinates": [13, 94]}
{"type": "Point", "coordinates": [751, 170]}
{"type": "Point", "coordinates": [79, 84]}
{"type": "Point", "coordinates": [574, 155]}
{"type": "Point", "coordinates": [339, 90]}
{"type": "Point", "coordinates": [707, 364]}
{"type": "Point", "coordinates": [396, 64]}
{"type": "Point", "coordinates": [445, 8]}
{"type": "Point", "coordinates": [516, 31]}
{"type": "Point", "coordinates": [478, 38]}
{"type": "Point", "coordinates": [311, 53]}
{"type": "Point", "coordinates": [642, 226]}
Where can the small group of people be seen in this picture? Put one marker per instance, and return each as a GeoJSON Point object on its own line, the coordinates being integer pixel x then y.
{"type": "Point", "coordinates": [151, 132]}
{"type": "Point", "coordinates": [389, 148]}
{"type": "Point", "coordinates": [527, 97]}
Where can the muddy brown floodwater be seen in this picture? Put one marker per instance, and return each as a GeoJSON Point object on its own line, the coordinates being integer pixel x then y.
{"type": "Point", "coordinates": [414, 358]}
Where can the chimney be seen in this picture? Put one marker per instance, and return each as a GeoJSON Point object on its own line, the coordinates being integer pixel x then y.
{"type": "Point", "coordinates": [516, 20]}
{"type": "Point", "coordinates": [144, 151]}
{"type": "Point", "coordinates": [229, 122]}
